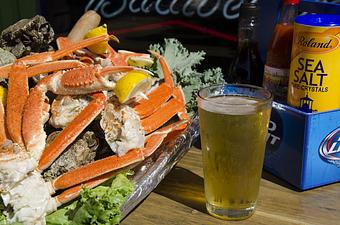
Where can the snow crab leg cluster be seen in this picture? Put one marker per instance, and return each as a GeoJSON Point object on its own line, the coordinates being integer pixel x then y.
{"type": "Point", "coordinates": [24, 152]}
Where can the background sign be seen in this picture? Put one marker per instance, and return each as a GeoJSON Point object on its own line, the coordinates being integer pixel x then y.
{"type": "Point", "coordinates": [209, 25]}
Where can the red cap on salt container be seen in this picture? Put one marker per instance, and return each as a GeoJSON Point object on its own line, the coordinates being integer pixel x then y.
{"type": "Point", "coordinates": [291, 2]}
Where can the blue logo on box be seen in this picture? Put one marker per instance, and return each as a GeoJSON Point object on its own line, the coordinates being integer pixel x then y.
{"type": "Point", "coordinates": [329, 149]}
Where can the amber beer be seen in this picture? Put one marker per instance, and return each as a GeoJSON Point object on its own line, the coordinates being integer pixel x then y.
{"type": "Point", "coordinates": [233, 133]}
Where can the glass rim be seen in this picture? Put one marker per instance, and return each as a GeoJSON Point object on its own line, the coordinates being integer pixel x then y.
{"type": "Point", "coordinates": [260, 101]}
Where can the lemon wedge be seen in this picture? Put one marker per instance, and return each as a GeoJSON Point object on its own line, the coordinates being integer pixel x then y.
{"type": "Point", "coordinates": [3, 95]}
{"type": "Point", "coordinates": [101, 47]}
{"type": "Point", "coordinates": [140, 61]}
{"type": "Point", "coordinates": [133, 83]}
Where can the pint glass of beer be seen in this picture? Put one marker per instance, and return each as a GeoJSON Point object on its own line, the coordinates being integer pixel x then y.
{"type": "Point", "coordinates": [233, 124]}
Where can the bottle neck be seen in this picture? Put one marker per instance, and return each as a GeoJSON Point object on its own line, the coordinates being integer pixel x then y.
{"type": "Point", "coordinates": [288, 14]}
{"type": "Point", "coordinates": [246, 31]}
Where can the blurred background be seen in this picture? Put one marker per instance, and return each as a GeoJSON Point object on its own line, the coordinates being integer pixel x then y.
{"type": "Point", "coordinates": [209, 25]}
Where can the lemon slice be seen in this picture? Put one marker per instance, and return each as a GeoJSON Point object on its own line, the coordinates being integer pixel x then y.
{"type": "Point", "coordinates": [140, 61]}
{"type": "Point", "coordinates": [133, 83]}
{"type": "Point", "coordinates": [101, 47]}
{"type": "Point", "coordinates": [3, 95]}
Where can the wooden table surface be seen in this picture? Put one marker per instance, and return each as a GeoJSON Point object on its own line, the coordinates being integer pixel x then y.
{"type": "Point", "coordinates": [179, 199]}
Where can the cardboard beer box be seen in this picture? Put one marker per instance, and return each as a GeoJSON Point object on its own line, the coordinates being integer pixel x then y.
{"type": "Point", "coordinates": [303, 148]}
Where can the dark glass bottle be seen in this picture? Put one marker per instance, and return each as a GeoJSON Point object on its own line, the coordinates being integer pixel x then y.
{"type": "Point", "coordinates": [247, 67]}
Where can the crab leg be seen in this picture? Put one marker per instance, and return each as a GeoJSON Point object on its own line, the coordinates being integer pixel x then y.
{"type": "Point", "coordinates": [176, 105]}
{"type": "Point", "coordinates": [165, 68]}
{"type": "Point", "coordinates": [43, 68]}
{"type": "Point", "coordinates": [154, 117]}
{"type": "Point", "coordinates": [36, 109]}
{"type": "Point", "coordinates": [82, 80]}
{"type": "Point", "coordinates": [71, 132]}
{"type": "Point", "coordinates": [52, 56]}
{"type": "Point", "coordinates": [86, 59]}
{"type": "Point", "coordinates": [160, 95]}
{"type": "Point", "coordinates": [114, 57]}
{"type": "Point", "coordinates": [73, 192]}
{"type": "Point", "coordinates": [179, 95]}
{"type": "Point", "coordinates": [63, 42]}
{"type": "Point", "coordinates": [113, 69]}
{"type": "Point", "coordinates": [53, 66]}
{"type": "Point", "coordinates": [114, 162]}
{"type": "Point", "coordinates": [161, 116]}
{"type": "Point", "coordinates": [156, 98]}
{"type": "Point", "coordinates": [77, 81]}
{"type": "Point", "coordinates": [82, 44]}
{"type": "Point", "coordinates": [120, 58]}
{"type": "Point", "coordinates": [16, 98]}
{"type": "Point", "coordinates": [96, 168]}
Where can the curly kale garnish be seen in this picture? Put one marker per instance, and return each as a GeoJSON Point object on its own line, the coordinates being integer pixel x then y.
{"type": "Point", "coordinates": [183, 64]}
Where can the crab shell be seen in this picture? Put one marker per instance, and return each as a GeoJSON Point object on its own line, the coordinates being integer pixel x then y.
{"type": "Point", "coordinates": [27, 112]}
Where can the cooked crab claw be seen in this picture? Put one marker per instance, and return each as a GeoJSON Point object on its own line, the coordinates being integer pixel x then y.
{"type": "Point", "coordinates": [89, 80]}
{"type": "Point", "coordinates": [111, 163]}
{"type": "Point", "coordinates": [49, 57]}
{"type": "Point", "coordinates": [71, 132]}
{"type": "Point", "coordinates": [133, 130]}
{"type": "Point", "coordinates": [160, 95]}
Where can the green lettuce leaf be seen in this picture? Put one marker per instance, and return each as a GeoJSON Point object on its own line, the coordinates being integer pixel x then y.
{"type": "Point", "coordinates": [183, 65]}
{"type": "Point", "coordinates": [61, 216]}
{"type": "Point", "coordinates": [3, 219]}
{"type": "Point", "coordinates": [100, 205]}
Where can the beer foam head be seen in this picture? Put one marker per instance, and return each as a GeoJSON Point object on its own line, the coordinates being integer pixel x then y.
{"type": "Point", "coordinates": [230, 105]}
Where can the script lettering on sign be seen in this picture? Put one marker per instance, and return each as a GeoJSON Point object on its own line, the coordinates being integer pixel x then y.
{"type": "Point", "coordinates": [228, 9]}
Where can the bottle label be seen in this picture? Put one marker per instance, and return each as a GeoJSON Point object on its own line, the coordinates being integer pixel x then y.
{"type": "Point", "coordinates": [314, 73]}
{"type": "Point", "coordinates": [276, 81]}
